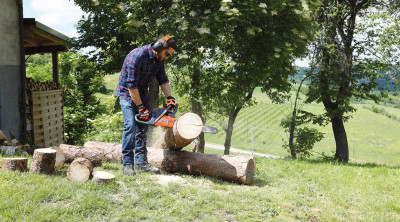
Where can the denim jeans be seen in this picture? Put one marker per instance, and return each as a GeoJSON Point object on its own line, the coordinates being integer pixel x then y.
{"type": "Point", "coordinates": [134, 149]}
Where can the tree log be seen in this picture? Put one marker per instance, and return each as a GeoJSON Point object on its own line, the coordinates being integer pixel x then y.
{"type": "Point", "coordinates": [60, 157]}
{"type": "Point", "coordinates": [239, 169]}
{"type": "Point", "coordinates": [79, 170]}
{"type": "Point", "coordinates": [43, 161]}
{"type": "Point", "coordinates": [185, 129]}
{"type": "Point", "coordinates": [94, 155]}
{"type": "Point", "coordinates": [12, 164]}
{"type": "Point", "coordinates": [112, 151]}
{"type": "Point", "coordinates": [102, 177]}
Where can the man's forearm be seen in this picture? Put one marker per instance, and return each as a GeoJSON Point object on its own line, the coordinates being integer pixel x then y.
{"type": "Point", "coordinates": [134, 92]}
{"type": "Point", "coordinates": [166, 89]}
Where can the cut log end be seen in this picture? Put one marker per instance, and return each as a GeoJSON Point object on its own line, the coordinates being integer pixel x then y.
{"type": "Point", "coordinates": [14, 164]}
{"type": "Point", "coordinates": [79, 170]}
{"type": "Point", "coordinates": [189, 126]}
{"type": "Point", "coordinates": [43, 161]}
{"type": "Point", "coordinates": [102, 177]}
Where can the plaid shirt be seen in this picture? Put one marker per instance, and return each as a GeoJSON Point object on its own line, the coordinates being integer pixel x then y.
{"type": "Point", "coordinates": [138, 71]}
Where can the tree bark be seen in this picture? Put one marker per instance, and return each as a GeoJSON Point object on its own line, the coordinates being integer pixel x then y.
{"type": "Point", "coordinates": [43, 161]}
{"type": "Point", "coordinates": [112, 151]}
{"type": "Point", "coordinates": [102, 177]}
{"type": "Point", "coordinates": [80, 170]}
{"type": "Point", "coordinates": [342, 147]}
{"type": "Point", "coordinates": [12, 164]}
{"type": "Point", "coordinates": [183, 132]}
{"type": "Point", "coordinates": [196, 104]}
{"type": "Point", "coordinates": [71, 152]}
{"type": "Point", "coordinates": [154, 90]}
{"type": "Point", "coordinates": [239, 169]}
{"type": "Point", "coordinates": [229, 131]}
{"type": "Point", "coordinates": [199, 147]}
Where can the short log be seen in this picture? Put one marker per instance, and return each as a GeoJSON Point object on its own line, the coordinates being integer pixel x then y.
{"type": "Point", "coordinates": [80, 170]}
{"type": "Point", "coordinates": [102, 177]}
{"type": "Point", "coordinates": [71, 152]}
{"type": "Point", "coordinates": [185, 129]}
{"type": "Point", "coordinates": [60, 157]}
{"type": "Point", "coordinates": [112, 151]}
{"type": "Point", "coordinates": [14, 164]}
{"type": "Point", "coordinates": [43, 161]}
{"type": "Point", "coordinates": [239, 169]}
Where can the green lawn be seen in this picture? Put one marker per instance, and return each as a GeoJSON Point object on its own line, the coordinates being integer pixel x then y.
{"type": "Point", "coordinates": [282, 190]}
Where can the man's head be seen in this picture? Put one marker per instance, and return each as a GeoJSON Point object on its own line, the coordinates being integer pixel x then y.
{"type": "Point", "coordinates": [164, 47]}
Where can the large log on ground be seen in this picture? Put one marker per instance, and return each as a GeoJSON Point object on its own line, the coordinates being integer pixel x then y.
{"type": "Point", "coordinates": [185, 129]}
{"type": "Point", "coordinates": [11, 164]}
{"type": "Point", "coordinates": [112, 151]}
{"type": "Point", "coordinates": [43, 161]}
{"type": "Point", "coordinates": [94, 155]}
{"type": "Point", "coordinates": [80, 170]}
{"type": "Point", "coordinates": [228, 167]}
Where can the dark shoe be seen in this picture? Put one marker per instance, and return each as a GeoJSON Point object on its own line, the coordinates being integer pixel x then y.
{"type": "Point", "coordinates": [147, 168]}
{"type": "Point", "coordinates": [128, 170]}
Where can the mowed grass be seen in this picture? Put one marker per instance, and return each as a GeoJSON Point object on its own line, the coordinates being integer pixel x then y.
{"type": "Point", "coordinates": [282, 190]}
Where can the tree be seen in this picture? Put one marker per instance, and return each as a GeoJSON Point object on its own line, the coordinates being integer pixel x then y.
{"type": "Point", "coordinates": [345, 64]}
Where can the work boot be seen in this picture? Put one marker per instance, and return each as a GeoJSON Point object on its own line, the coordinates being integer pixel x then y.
{"type": "Point", "coordinates": [128, 170]}
{"type": "Point", "coordinates": [147, 168]}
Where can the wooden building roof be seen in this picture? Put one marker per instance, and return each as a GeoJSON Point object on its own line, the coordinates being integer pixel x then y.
{"type": "Point", "coordinates": [39, 38]}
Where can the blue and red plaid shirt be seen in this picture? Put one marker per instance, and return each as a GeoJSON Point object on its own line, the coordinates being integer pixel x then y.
{"type": "Point", "coordinates": [138, 71]}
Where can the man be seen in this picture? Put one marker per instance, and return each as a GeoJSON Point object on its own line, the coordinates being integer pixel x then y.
{"type": "Point", "coordinates": [141, 65]}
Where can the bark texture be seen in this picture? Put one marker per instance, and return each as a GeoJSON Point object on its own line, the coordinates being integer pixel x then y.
{"type": "Point", "coordinates": [12, 164]}
{"type": "Point", "coordinates": [94, 155]}
{"type": "Point", "coordinates": [112, 151]}
{"type": "Point", "coordinates": [186, 128]}
{"type": "Point", "coordinates": [43, 161]}
{"type": "Point", "coordinates": [239, 169]}
{"type": "Point", "coordinates": [80, 170]}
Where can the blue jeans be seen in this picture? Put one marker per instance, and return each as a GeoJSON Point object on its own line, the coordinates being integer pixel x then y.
{"type": "Point", "coordinates": [134, 149]}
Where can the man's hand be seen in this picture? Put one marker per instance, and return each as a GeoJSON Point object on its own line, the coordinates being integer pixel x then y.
{"type": "Point", "coordinates": [171, 101]}
{"type": "Point", "coordinates": [144, 112]}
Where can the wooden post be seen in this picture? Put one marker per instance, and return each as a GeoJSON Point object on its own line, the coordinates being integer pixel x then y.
{"type": "Point", "coordinates": [43, 161]}
{"type": "Point", "coordinates": [11, 164]}
{"type": "Point", "coordinates": [54, 56]}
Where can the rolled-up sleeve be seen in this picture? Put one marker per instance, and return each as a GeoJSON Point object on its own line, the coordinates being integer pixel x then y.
{"type": "Point", "coordinates": [132, 70]}
{"type": "Point", "coordinates": [162, 76]}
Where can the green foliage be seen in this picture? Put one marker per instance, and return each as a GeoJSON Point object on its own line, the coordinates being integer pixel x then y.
{"type": "Point", "coordinates": [80, 81]}
{"type": "Point", "coordinates": [39, 67]}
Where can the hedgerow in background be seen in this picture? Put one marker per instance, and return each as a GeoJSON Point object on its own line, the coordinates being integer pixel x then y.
{"type": "Point", "coordinates": [39, 67]}
{"type": "Point", "coordinates": [80, 81]}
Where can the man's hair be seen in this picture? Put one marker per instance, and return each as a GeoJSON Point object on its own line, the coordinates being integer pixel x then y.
{"type": "Point", "coordinates": [171, 43]}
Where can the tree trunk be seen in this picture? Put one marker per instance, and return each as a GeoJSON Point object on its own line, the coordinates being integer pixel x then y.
{"type": "Point", "coordinates": [80, 170]}
{"type": "Point", "coordinates": [12, 164]}
{"type": "Point", "coordinates": [342, 147]}
{"type": "Point", "coordinates": [43, 161]}
{"type": "Point", "coordinates": [229, 131]}
{"type": "Point", "coordinates": [183, 132]}
{"type": "Point", "coordinates": [196, 104]}
{"type": "Point", "coordinates": [239, 169]}
{"type": "Point", "coordinates": [112, 151]}
{"type": "Point", "coordinates": [102, 177]}
{"type": "Point", "coordinates": [71, 152]}
{"type": "Point", "coordinates": [154, 90]}
{"type": "Point", "coordinates": [196, 108]}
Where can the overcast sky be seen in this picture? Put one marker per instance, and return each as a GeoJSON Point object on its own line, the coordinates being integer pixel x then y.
{"type": "Point", "coordinates": [60, 15]}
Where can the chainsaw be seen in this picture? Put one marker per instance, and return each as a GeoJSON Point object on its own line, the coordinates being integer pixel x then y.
{"type": "Point", "coordinates": [166, 118]}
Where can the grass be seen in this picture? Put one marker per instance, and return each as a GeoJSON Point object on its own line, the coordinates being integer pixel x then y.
{"type": "Point", "coordinates": [282, 190]}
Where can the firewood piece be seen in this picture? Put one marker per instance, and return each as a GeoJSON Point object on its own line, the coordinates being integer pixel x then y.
{"type": "Point", "coordinates": [228, 167]}
{"type": "Point", "coordinates": [185, 129]}
{"type": "Point", "coordinates": [2, 137]}
{"type": "Point", "coordinates": [12, 164]}
{"type": "Point", "coordinates": [79, 170]}
{"type": "Point", "coordinates": [102, 177]}
{"type": "Point", "coordinates": [71, 152]}
{"type": "Point", "coordinates": [112, 151]}
{"type": "Point", "coordinates": [60, 157]}
{"type": "Point", "coordinates": [43, 161]}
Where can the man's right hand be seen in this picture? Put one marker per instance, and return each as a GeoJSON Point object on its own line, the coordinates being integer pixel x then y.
{"type": "Point", "coordinates": [144, 112]}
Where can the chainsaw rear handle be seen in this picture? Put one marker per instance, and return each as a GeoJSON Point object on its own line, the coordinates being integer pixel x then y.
{"type": "Point", "coordinates": [155, 118]}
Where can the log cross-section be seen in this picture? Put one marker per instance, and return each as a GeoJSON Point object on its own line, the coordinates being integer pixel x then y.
{"type": "Point", "coordinates": [80, 170]}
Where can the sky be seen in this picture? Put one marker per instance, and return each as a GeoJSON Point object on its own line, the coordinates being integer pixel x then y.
{"type": "Point", "coordinates": [60, 15]}
{"type": "Point", "coordinates": [63, 15]}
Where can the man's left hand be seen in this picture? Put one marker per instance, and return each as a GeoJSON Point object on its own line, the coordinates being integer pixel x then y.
{"type": "Point", "coordinates": [171, 101]}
